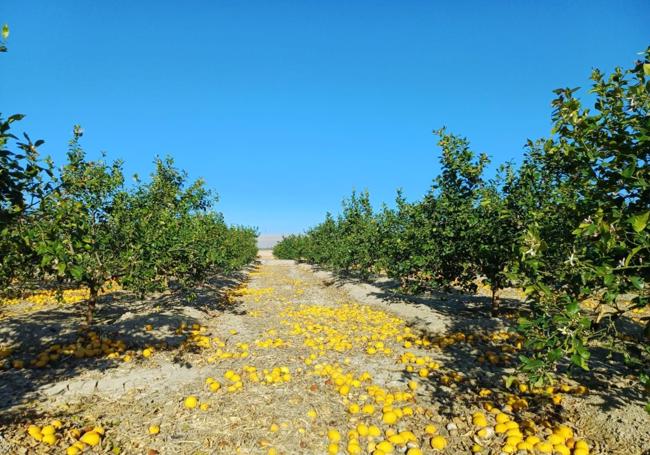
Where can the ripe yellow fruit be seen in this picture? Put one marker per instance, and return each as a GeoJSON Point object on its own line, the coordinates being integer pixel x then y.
{"type": "Point", "coordinates": [274, 427]}
{"type": "Point", "coordinates": [72, 450]}
{"type": "Point", "coordinates": [312, 413]}
{"type": "Point", "coordinates": [385, 447]}
{"type": "Point", "coordinates": [423, 373]}
{"type": "Point", "coordinates": [75, 433]}
{"type": "Point", "coordinates": [414, 451]}
{"type": "Point", "coordinates": [333, 449]}
{"type": "Point", "coordinates": [48, 429]}
{"type": "Point", "coordinates": [362, 429]}
{"type": "Point", "coordinates": [374, 431]}
{"type": "Point", "coordinates": [57, 424]}
{"type": "Point", "coordinates": [430, 429]}
{"type": "Point", "coordinates": [146, 353]}
{"type": "Point", "coordinates": [438, 442]}
{"type": "Point", "coordinates": [154, 429]}
{"type": "Point", "coordinates": [389, 418]}
{"type": "Point", "coordinates": [35, 432]}
{"type": "Point", "coordinates": [334, 435]}
{"type": "Point", "coordinates": [214, 386]}
{"type": "Point", "coordinates": [204, 406]}
{"type": "Point", "coordinates": [368, 409]}
{"type": "Point", "coordinates": [479, 421]}
{"type": "Point", "coordinates": [413, 385]}
{"type": "Point", "coordinates": [354, 408]}
{"type": "Point", "coordinates": [580, 451]}
{"type": "Point", "coordinates": [190, 402]}
{"type": "Point", "coordinates": [49, 439]}
{"type": "Point", "coordinates": [91, 438]}
{"type": "Point", "coordinates": [564, 431]}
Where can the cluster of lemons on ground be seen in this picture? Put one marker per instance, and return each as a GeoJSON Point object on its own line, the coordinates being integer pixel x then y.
{"type": "Point", "coordinates": [35, 301]}
{"type": "Point", "coordinates": [523, 436]}
{"type": "Point", "coordinates": [343, 327]}
{"type": "Point", "coordinates": [53, 433]}
{"type": "Point", "coordinates": [91, 345]}
{"type": "Point", "coordinates": [256, 293]}
{"type": "Point", "coordinates": [87, 345]}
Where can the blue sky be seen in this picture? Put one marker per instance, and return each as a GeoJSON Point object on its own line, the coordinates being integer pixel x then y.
{"type": "Point", "coordinates": [285, 107]}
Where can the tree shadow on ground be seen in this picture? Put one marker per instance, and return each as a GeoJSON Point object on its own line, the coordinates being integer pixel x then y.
{"type": "Point", "coordinates": [119, 316]}
{"type": "Point", "coordinates": [610, 380]}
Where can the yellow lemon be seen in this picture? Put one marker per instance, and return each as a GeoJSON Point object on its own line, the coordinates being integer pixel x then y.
{"type": "Point", "coordinates": [389, 418]}
{"type": "Point", "coordinates": [154, 429]}
{"type": "Point", "coordinates": [49, 439]}
{"type": "Point", "coordinates": [334, 435]}
{"type": "Point", "coordinates": [190, 402]}
{"type": "Point", "coordinates": [91, 438]}
{"type": "Point", "coordinates": [438, 442]}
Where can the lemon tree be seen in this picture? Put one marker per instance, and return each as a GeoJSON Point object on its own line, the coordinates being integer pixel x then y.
{"type": "Point", "coordinates": [91, 230]}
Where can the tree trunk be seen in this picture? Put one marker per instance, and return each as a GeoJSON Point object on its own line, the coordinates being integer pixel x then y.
{"type": "Point", "coordinates": [495, 303]}
{"type": "Point", "coordinates": [90, 308]}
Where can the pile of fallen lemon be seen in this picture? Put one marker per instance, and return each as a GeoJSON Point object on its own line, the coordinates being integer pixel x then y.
{"type": "Point", "coordinates": [37, 300]}
{"type": "Point", "coordinates": [53, 434]}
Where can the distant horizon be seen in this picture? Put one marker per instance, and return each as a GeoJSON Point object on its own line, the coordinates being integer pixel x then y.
{"type": "Point", "coordinates": [268, 241]}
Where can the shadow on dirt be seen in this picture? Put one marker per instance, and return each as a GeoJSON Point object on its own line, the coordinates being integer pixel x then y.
{"type": "Point", "coordinates": [119, 316]}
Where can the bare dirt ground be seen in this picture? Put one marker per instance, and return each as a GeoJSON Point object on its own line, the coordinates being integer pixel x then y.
{"type": "Point", "coordinates": [297, 354]}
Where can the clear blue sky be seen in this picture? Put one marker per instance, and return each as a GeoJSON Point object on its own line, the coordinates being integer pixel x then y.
{"type": "Point", "coordinates": [285, 107]}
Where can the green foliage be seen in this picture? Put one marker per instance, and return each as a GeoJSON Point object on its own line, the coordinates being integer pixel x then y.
{"type": "Point", "coordinates": [81, 226]}
{"type": "Point", "coordinates": [597, 163]}
{"type": "Point", "coordinates": [291, 247]}
{"type": "Point", "coordinates": [24, 180]}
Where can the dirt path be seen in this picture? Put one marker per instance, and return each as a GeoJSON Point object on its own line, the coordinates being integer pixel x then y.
{"type": "Point", "coordinates": [301, 360]}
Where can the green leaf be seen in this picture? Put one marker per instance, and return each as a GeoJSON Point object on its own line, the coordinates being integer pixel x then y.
{"type": "Point", "coordinates": [640, 221]}
{"type": "Point", "coordinates": [5, 31]}
{"type": "Point", "coordinates": [637, 282]}
{"type": "Point", "coordinates": [646, 69]}
{"type": "Point", "coordinates": [572, 308]}
{"type": "Point", "coordinates": [77, 272]}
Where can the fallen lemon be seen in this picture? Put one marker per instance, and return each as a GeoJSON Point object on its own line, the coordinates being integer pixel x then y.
{"type": "Point", "coordinates": [91, 438]}
{"type": "Point", "coordinates": [438, 442]}
{"type": "Point", "coordinates": [190, 402]}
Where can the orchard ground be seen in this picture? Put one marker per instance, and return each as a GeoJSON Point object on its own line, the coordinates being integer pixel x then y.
{"type": "Point", "coordinates": [286, 359]}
